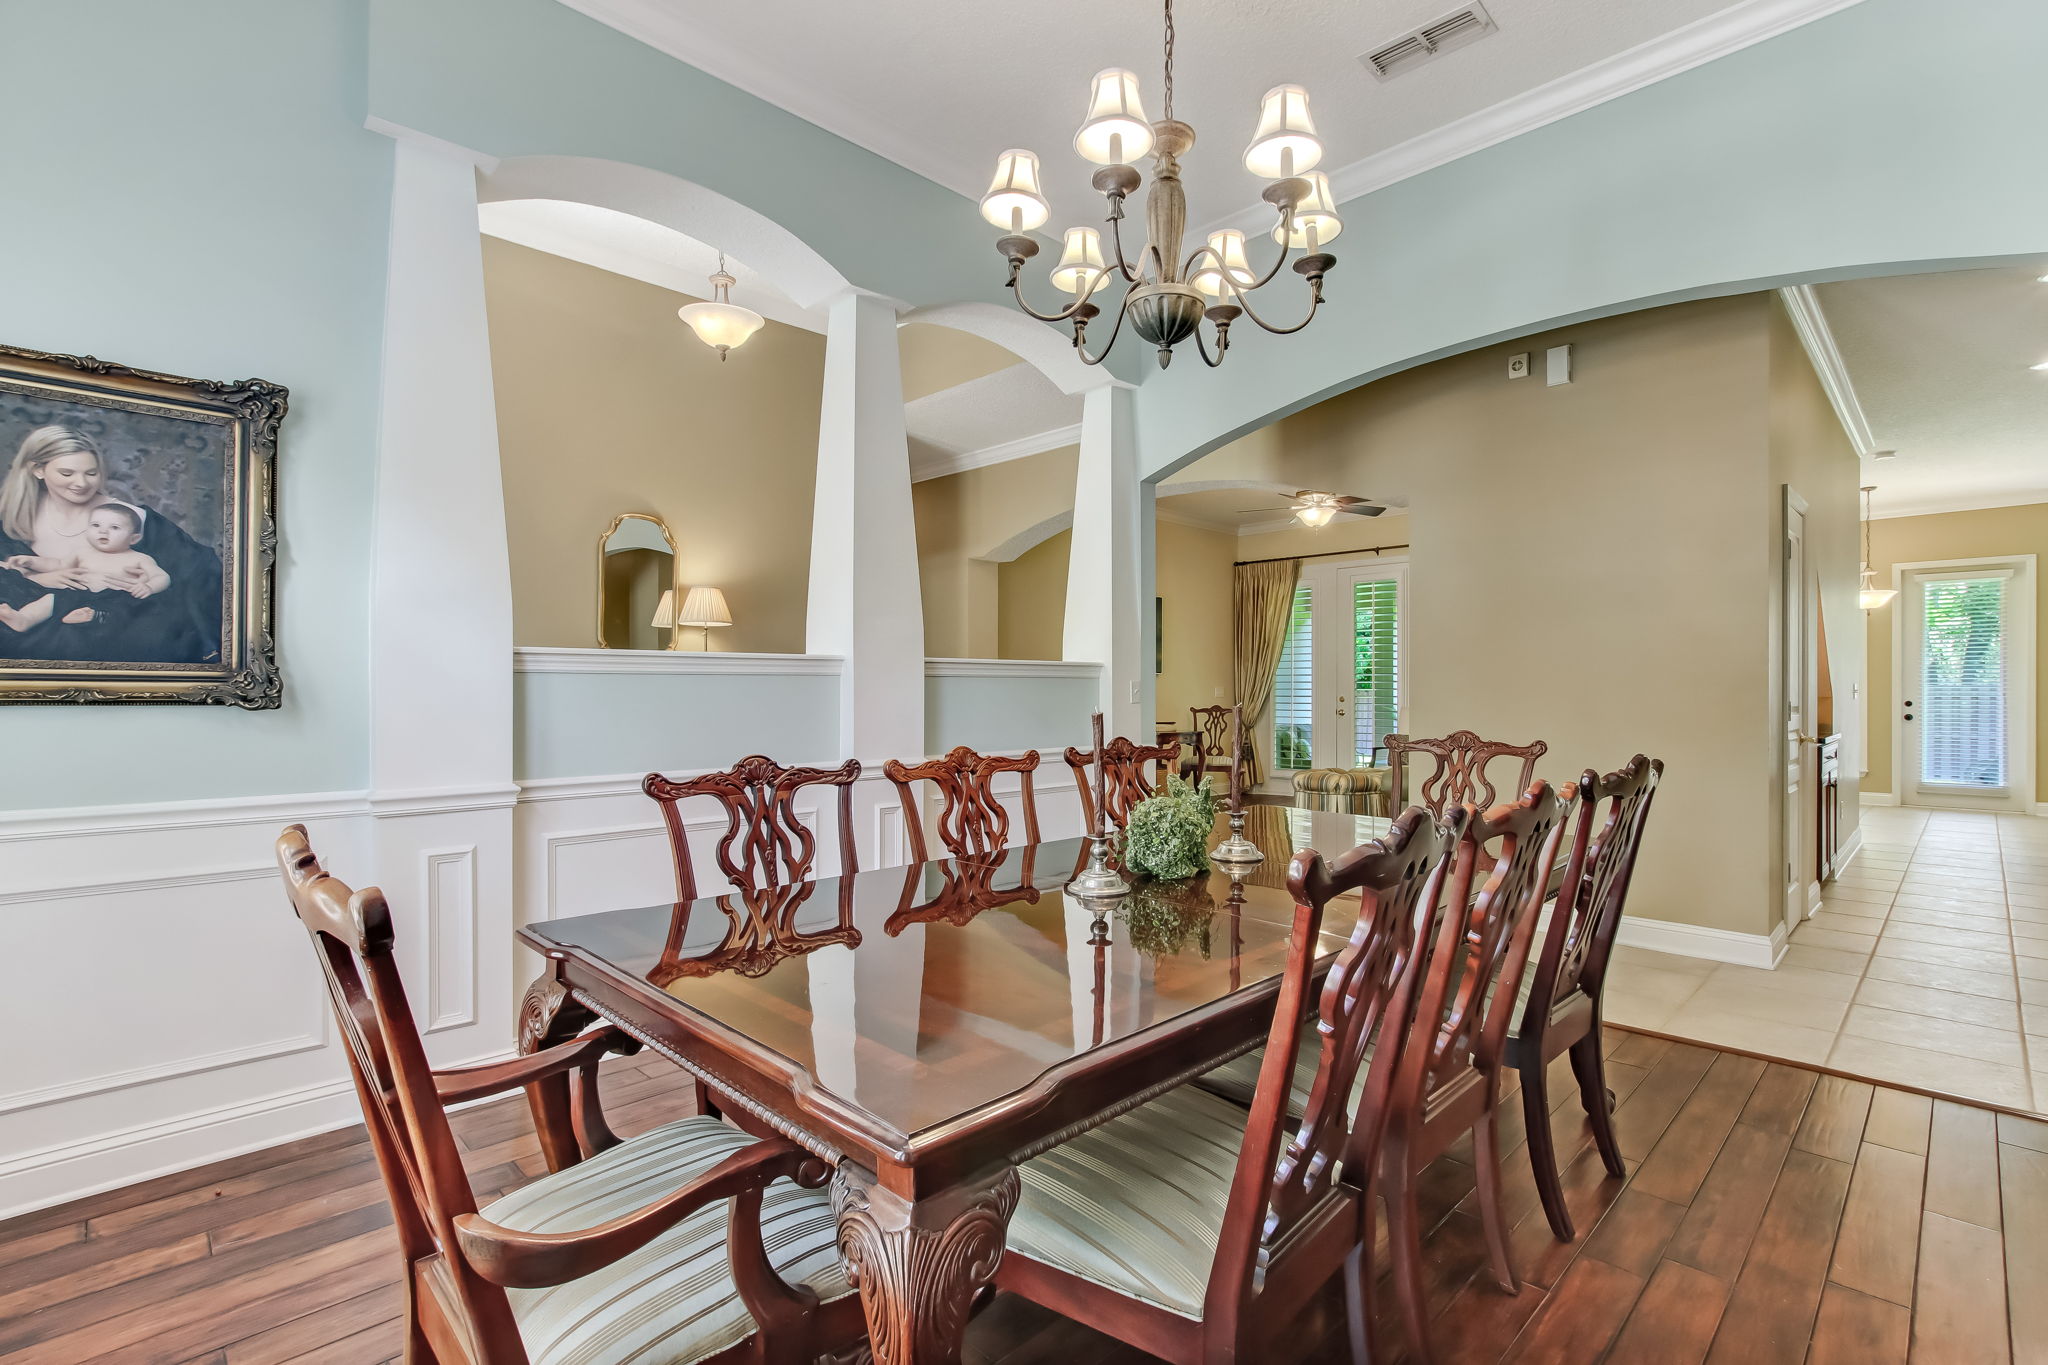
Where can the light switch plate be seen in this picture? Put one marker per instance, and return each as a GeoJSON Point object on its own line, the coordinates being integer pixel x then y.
{"type": "Point", "coordinates": [1557, 366]}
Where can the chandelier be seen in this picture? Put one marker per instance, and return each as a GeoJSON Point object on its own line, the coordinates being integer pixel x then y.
{"type": "Point", "coordinates": [718, 322]}
{"type": "Point", "coordinates": [1167, 296]}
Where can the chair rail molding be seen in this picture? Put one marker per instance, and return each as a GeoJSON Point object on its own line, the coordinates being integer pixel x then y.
{"type": "Point", "coordinates": [553, 659]}
{"type": "Point", "coordinates": [1011, 668]}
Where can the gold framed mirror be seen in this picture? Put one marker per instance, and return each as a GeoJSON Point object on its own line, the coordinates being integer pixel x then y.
{"type": "Point", "coordinates": [638, 584]}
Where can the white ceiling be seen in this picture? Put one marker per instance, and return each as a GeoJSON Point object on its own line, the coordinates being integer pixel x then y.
{"type": "Point", "coordinates": [1939, 367]}
{"type": "Point", "coordinates": [1011, 413]}
{"type": "Point", "coordinates": [941, 86]}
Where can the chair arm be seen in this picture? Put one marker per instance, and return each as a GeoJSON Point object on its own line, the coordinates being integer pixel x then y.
{"type": "Point", "coordinates": [536, 1260]}
{"type": "Point", "coordinates": [457, 1084]}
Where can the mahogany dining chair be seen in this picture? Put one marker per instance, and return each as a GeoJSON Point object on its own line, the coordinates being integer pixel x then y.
{"type": "Point", "coordinates": [972, 820]}
{"type": "Point", "coordinates": [1559, 1005]}
{"type": "Point", "coordinates": [1208, 741]}
{"type": "Point", "coordinates": [1124, 781]}
{"type": "Point", "coordinates": [691, 1242]}
{"type": "Point", "coordinates": [765, 842]}
{"type": "Point", "coordinates": [1459, 777]}
{"type": "Point", "coordinates": [1197, 1231]}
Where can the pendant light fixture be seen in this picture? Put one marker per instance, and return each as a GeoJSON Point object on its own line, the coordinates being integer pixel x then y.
{"type": "Point", "coordinates": [719, 322]}
{"type": "Point", "coordinates": [1871, 597]}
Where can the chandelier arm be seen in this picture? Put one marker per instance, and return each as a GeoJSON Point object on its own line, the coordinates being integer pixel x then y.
{"type": "Point", "coordinates": [1286, 223]}
{"type": "Point", "coordinates": [1107, 346]}
{"type": "Point", "coordinates": [1315, 301]}
{"type": "Point", "coordinates": [1017, 292]}
{"type": "Point", "coordinates": [1116, 238]}
{"type": "Point", "coordinates": [1203, 348]}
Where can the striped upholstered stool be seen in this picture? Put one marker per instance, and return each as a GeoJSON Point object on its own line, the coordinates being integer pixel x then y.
{"type": "Point", "coordinates": [1356, 791]}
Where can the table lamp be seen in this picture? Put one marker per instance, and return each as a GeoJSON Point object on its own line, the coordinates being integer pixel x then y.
{"type": "Point", "coordinates": [705, 608]}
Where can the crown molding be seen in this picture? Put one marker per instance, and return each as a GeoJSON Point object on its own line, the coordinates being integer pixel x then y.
{"type": "Point", "coordinates": [937, 467]}
{"type": "Point", "coordinates": [1681, 50]}
{"type": "Point", "coordinates": [1803, 305]}
{"type": "Point", "coordinates": [1011, 668]}
{"type": "Point", "coordinates": [2025, 497]}
{"type": "Point", "coordinates": [549, 659]}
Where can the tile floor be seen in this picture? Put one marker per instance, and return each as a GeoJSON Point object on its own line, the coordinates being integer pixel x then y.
{"type": "Point", "coordinates": [1926, 965]}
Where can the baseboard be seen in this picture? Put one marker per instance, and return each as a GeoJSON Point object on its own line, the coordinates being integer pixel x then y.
{"type": "Point", "coordinates": [1696, 940]}
{"type": "Point", "coordinates": [1877, 798]}
{"type": "Point", "coordinates": [2041, 808]}
{"type": "Point", "coordinates": [1848, 849]}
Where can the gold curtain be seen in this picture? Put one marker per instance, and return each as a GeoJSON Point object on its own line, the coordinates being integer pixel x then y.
{"type": "Point", "coordinates": [1263, 598]}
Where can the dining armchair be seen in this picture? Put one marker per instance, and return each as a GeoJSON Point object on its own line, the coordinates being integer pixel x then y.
{"type": "Point", "coordinates": [972, 820]}
{"type": "Point", "coordinates": [765, 842]}
{"type": "Point", "coordinates": [1124, 781]}
{"type": "Point", "coordinates": [1560, 999]}
{"type": "Point", "coordinates": [1208, 741]}
{"type": "Point", "coordinates": [691, 1242]}
{"type": "Point", "coordinates": [1198, 1231]}
{"type": "Point", "coordinates": [1459, 775]}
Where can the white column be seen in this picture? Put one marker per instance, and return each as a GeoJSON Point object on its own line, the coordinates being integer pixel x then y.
{"type": "Point", "coordinates": [1105, 566]}
{"type": "Point", "coordinates": [440, 630]}
{"type": "Point", "coordinates": [864, 603]}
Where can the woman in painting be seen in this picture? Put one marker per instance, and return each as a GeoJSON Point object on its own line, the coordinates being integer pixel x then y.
{"type": "Point", "coordinates": [47, 501]}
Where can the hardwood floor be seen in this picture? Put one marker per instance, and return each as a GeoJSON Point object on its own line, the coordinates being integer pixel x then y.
{"type": "Point", "coordinates": [1771, 1214]}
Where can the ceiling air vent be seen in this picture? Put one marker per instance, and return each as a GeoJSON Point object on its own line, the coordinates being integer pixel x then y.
{"type": "Point", "coordinates": [1433, 39]}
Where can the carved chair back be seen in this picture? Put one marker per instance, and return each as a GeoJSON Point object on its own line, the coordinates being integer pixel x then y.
{"type": "Point", "coordinates": [1208, 737]}
{"type": "Point", "coordinates": [415, 1149]}
{"type": "Point", "coordinates": [1595, 887]}
{"type": "Point", "coordinates": [1459, 775]}
{"type": "Point", "coordinates": [964, 890]}
{"type": "Point", "coordinates": [1285, 1179]}
{"type": "Point", "coordinates": [760, 931]}
{"type": "Point", "coordinates": [1124, 781]}
{"type": "Point", "coordinates": [765, 842]}
{"type": "Point", "coordinates": [972, 820]}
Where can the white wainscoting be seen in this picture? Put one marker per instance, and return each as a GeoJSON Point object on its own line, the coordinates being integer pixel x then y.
{"type": "Point", "coordinates": [164, 1009]}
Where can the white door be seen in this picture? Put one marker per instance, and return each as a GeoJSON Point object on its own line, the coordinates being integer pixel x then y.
{"type": "Point", "coordinates": [1797, 606]}
{"type": "Point", "coordinates": [1965, 680]}
{"type": "Point", "coordinates": [1338, 689]}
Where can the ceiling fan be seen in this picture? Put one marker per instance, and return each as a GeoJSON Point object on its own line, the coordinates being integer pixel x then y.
{"type": "Point", "coordinates": [1313, 509]}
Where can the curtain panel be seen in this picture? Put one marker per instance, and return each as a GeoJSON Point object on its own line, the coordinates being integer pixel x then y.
{"type": "Point", "coordinates": [1263, 597]}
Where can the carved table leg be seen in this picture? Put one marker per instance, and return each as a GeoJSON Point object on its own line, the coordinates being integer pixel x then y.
{"type": "Point", "coordinates": [920, 1263]}
{"type": "Point", "coordinates": [548, 1016]}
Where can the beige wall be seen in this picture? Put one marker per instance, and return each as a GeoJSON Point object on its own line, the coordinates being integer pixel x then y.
{"type": "Point", "coordinates": [935, 358]}
{"type": "Point", "coordinates": [607, 404]}
{"type": "Point", "coordinates": [1192, 579]}
{"type": "Point", "coordinates": [1949, 535]}
{"type": "Point", "coordinates": [1032, 592]}
{"type": "Point", "coordinates": [964, 518]}
{"type": "Point", "coordinates": [1593, 565]}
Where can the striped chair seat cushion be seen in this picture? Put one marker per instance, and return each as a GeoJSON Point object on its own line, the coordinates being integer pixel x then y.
{"type": "Point", "coordinates": [1344, 780]}
{"type": "Point", "coordinates": [673, 1301]}
{"type": "Point", "coordinates": [1136, 1205]}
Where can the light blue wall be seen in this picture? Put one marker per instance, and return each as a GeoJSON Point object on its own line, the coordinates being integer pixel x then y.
{"type": "Point", "coordinates": [189, 188]}
{"type": "Point", "coordinates": [993, 714]}
{"type": "Point", "coordinates": [595, 725]}
{"type": "Point", "coordinates": [1895, 131]}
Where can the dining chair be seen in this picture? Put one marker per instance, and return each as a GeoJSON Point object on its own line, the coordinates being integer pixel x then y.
{"type": "Point", "coordinates": [1124, 781]}
{"type": "Point", "coordinates": [691, 1242]}
{"type": "Point", "coordinates": [765, 842]}
{"type": "Point", "coordinates": [1208, 741]}
{"type": "Point", "coordinates": [1559, 1006]}
{"type": "Point", "coordinates": [1198, 1231]}
{"type": "Point", "coordinates": [972, 820]}
{"type": "Point", "coordinates": [1459, 776]}
{"type": "Point", "coordinates": [757, 929]}
{"type": "Point", "coordinates": [957, 893]}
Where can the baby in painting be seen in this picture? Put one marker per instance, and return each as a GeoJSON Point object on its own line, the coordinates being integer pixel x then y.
{"type": "Point", "coordinates": [107, 559]}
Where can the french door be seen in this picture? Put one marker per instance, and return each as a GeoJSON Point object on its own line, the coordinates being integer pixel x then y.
{"type": "Point", "coordinates": [1966, 656]}
{"type": "Point", "coordinates": [1338, 690]}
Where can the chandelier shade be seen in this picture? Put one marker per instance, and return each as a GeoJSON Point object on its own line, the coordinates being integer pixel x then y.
{"type": "Point", "coordinates": [1315, 223]}
{"type": "Point", "coordinates": [1014, 201]}
{"type": "Point", "coordinates": [1081, 266]}
{"type": "Point", "coordinates": [1116, 131]}
{"type": "Point", "coordinates": [1285, 143]}
{"type": "Point", "coordinates": [1225, 260]}
{"type": "Point", "coordinates": [719, 322]}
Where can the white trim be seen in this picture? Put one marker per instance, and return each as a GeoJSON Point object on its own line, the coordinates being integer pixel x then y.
{"type": "Point", "coordinates": [1011, 668]}
{"type": "Point", "coordinates": [186, 816]}
{"type": "Point", "coordinates": [1876, 799]}
{"type": "Point", "coordinates": [1848, 849]}
{"type": "Point", "coordinates": [2020, 736]}
{"type": "Point", "coordinates": [940, 463]}
{"type": "Point", "coordinates": [2024, 498]}
{"type": "Point", "coordinates": [1811, 323]}
{"type": "Point", "coordinates": [74, 890]}
{"type": "Point", "coordinates": [1697, 940]}
{"type": "Point", "coordinates": [439, 800]}
{"type": "Point", "coordinates": [2041, 808]}
{"type": "Point", "coordinates": [551, 659]}
{"type": "Point", "coordinates": [15, 1101]}
{"type": "Point", "coordinates": [412, 137]}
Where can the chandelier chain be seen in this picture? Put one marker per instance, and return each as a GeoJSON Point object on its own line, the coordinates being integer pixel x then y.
{"type": "Point", "coordinates": [1169, 59]}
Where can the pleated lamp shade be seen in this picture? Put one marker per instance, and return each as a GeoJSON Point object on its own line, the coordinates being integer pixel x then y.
{"type": "Point", "coordinates": [704, 607]}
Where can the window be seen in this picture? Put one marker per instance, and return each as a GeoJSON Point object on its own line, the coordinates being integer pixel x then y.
{"type": "Point", "coordinates": [1376, 652]}
{"type": "Point", "coordinates": [1294, 688]}
{"type": "Point", "coordinates": [1962, 682]}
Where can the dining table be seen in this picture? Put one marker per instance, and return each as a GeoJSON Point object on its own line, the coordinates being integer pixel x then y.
{"type": "Point", "coordinates": [924, 1029]}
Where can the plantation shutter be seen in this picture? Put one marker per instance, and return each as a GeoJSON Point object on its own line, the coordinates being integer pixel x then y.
{"type": "Point", "coordinates": [1376, 655]}
{"type": "Point", "coordinates": [1962, 683]}
{"type": "Point", "coordinates": [1294, 688]}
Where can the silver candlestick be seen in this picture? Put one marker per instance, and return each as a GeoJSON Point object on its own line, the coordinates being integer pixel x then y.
{"type": "Point", "coordinates": [1098, 880]}
{"type": "Point", "coordinates": [1237, 848]}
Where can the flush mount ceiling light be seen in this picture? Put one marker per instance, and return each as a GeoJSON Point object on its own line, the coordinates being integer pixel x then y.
{"type": "Point", "coordinates": [1870, 597]}
{"type": "Point", "coordinates": [719, 322]}
{"type": "Point", "coordinates": [1167, 296]}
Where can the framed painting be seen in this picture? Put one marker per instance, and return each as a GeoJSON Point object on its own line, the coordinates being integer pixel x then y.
{"type": "Point", "coordinates": [137, 534]}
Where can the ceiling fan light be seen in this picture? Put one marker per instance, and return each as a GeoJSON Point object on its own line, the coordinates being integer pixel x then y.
{"type": "Point", "coordinates": [1315, 515]}
{"type": "Point", "coordinates": [1081, 264]}
{"type": "Point", "coordinates": [1285, 143]}
{"type": "Point", "coordinates": [1116, 131]}
{"type": "Point", "coordinates": [1014, 201]}
{"type": "Point", "coordinates": [1315, 223]}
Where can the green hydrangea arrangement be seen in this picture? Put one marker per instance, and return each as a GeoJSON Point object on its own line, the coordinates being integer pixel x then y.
{"type": "Point", "coordinates": [1167, 835]}
{"type": "Point", "coordinates": [1164, 918]}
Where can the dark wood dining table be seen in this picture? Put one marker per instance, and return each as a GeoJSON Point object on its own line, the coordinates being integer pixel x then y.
{"type": "Point", "coordinates": [924, 1029]}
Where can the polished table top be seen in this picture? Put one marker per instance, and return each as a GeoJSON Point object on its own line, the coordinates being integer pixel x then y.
{"type": "Point", "coordinates": [921, 994]}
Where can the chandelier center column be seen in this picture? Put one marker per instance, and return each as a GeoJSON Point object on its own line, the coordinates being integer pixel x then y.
{"type": "Point", "coordinates": [1166, 203]}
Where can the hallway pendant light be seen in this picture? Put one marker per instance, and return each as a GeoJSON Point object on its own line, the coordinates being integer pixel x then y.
{"type": "Point", "coordinates": [1871, 597]}
{"type": "Point", "coordinates": [719, 322]}
{"type": "Point", "coordinates": [1168, 296]}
